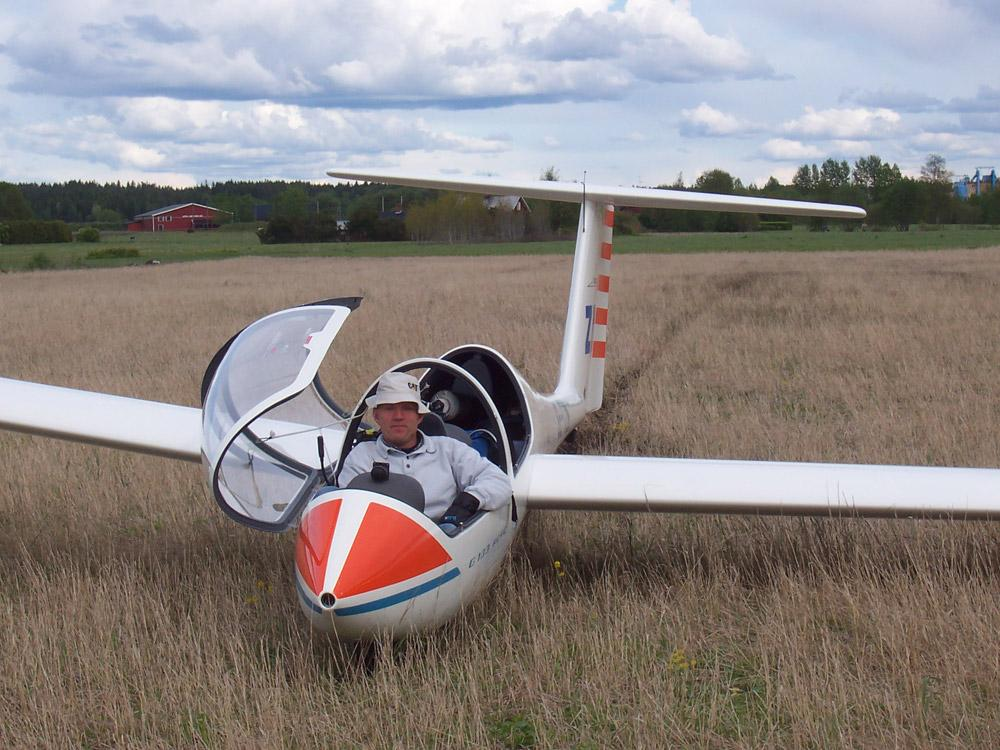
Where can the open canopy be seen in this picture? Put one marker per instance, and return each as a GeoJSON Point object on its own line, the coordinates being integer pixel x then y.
{"type": "Point", "coordinates": [265, 410]}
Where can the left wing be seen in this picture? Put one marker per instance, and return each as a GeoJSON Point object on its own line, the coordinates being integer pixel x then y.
{"type": "Point", "coordinates": [674, 485]}
{"type": "Point", "coordinates": [98, 418]}
{"type": "Point", "coordinates": [577, 192]}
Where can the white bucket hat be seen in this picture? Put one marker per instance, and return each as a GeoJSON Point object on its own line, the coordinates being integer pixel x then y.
{"type": "Point", "coordinates": [397, 388]}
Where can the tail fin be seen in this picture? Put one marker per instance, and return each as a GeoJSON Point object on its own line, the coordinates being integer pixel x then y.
{"type": "Point", "coordinates": [581, 367]}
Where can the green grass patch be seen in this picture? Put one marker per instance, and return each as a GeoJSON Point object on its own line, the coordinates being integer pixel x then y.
{"type": "Point", "coordinates": [513, 731]}
{"type": "Point", "coordinates": [112, 252]}
{"type": "Point", "coordinates": [174, 247]}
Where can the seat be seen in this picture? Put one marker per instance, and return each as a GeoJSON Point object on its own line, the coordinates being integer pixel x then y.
{"type": "Point", "coordinates": [432, 424]}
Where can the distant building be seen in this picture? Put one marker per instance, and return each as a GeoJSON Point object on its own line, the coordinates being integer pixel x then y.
{"type": "Point", "coordinates": [978, 184]}
{"type": "Point", "coordinates": [513, 203]}
{"type": "Point", "coordinates": [179, 217]}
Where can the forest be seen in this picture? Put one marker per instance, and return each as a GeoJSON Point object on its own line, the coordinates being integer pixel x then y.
{"type": "Point", "coordinates": [309, 212]}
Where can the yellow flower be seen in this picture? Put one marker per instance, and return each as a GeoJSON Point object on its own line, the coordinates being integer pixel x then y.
{"type": "Point", "coordinates": [559, 568]}
{"type": "Point", "coordinates": [252, 601]}
{"type": "Point", "coordinates": [679, 662]}
{"type": "Point", "coordinates": [264, 586]}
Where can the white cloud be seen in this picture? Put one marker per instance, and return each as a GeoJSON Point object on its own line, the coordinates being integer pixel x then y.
{"type": "Point", "coordinates": [705, 120]}
{"type": "Point", "coordinates": [900, 100]}
{"type": "Point", "coordinates": [956, 144]}
{"type": "Point", "coordinates": [787, 150]}
{"type": "Point", "coordinates": [783, 175]}
{"type": "Point", "coordinates": [163, 134]}
{"type": "Point", "coordinates": [857, 122]}
{"type": "Point", "coordinates": [849, 147]}
{"type": "Point", "coordinates": [920, 28]}
{"type": "Point", "coordinates": [377, 53]}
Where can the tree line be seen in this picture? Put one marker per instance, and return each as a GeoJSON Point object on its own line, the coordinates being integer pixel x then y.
{"type": "Point", "coordinates": [302, 211]}
{"type": "Point", "coordinates": [879, 187]}
{"type": "Point", "coordinates": [78, 201]}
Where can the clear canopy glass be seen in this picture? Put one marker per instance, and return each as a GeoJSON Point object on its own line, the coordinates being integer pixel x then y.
{"type": "Point", "coordinates": [263, 412]}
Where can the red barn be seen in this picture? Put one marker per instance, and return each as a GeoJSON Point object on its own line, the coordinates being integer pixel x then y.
{"type": "Point", "coordinates": [179, 217]}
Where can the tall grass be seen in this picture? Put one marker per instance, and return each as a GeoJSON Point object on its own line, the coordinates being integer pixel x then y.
{"type": "Point", "coordinates": [133, 614]}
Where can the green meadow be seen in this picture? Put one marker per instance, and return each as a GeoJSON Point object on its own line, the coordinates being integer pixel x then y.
{"type": "Point", "coordinates": [124, 248]}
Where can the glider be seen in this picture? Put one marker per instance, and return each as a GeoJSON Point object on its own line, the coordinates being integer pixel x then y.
{"type": "Point", "coordinates": [367, 559]}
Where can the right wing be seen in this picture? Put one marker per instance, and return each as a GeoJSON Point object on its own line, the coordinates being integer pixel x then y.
{"type": "Point", "coordinates": [114, 421]}
{"type": "Point", "coordinates": [678, 485]}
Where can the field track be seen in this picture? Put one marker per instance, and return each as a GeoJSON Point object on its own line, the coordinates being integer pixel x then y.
{"type": "Point", "coordinates": [133, 614]}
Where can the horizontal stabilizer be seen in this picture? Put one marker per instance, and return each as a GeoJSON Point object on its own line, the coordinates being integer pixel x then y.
{"type": "Point", "coordinates": [671, 485]}
{"type": "Point", "coordinates": [101, 419]}
{"type": "Point", "coordinates": [576, 192]}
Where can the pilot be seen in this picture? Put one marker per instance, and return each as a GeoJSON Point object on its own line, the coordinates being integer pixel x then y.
{"type": "Point", "coordinates": [457, 481]}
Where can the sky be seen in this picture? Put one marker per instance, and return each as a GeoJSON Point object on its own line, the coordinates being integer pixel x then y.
{"type": "Point", "coordinates": [628, 92]}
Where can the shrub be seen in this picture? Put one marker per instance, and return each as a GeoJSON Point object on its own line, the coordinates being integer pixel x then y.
{"type": "Point", "coordinates": [309, 229]}
{"type": "Point", "coordinates": [88, 234]}
{"type": "Point", "coordinates": [4, 234]}
{"type": "Point", "coordinates": [39, 262]}
{"type": "Point", "coordinates": [627, 223]}
{"type": "Point", "coordinates": [35, 231]}
{"type": "Point", "coordinates": [113, 252]}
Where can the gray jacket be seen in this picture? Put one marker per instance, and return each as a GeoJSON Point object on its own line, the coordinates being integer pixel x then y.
{"type": "Point", "coordinates": [445, 468]}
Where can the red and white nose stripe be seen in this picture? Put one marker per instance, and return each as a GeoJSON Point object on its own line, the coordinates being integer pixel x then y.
{"type": "Point", "coordinates": [388, 548]}
{"type": "Point", "coordinates": [351, 547]}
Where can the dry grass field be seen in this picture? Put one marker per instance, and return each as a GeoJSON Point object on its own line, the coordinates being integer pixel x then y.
{"type": "Point", "coordinates": [133, 614]}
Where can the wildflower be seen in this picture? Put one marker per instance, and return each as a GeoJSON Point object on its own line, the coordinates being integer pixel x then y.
{"type": "Point", "coordinates": [264, 586]}
{"type": "Point", "coordinates": [559, 569]}
{"type": "Point", "coordinates": [253, 601]}
{"type": "Point", "coordinates": [679, 662]}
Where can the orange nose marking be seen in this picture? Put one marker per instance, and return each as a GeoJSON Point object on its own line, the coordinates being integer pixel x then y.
{"type": "Point", "coordinates": [388, 548]}
{"type": "Point", "coordinates": [313, 548]}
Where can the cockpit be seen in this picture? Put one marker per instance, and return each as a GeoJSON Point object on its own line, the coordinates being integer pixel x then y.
{"type": "Point", "coordinates": [273, 436]}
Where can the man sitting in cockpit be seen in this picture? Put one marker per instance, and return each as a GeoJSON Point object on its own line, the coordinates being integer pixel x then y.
{"type": "Point", "coordinates": [456, 480]}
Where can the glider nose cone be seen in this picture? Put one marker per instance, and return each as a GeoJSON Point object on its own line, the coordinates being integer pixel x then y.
{"type": "Point", "coordinates": [388, 548]}
{"type": "Point", "coordinates": [359, 554]}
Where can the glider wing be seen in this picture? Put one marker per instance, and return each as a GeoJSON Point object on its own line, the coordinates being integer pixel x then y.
{"type": "Point", "coordinates": [576, 192]}
{"type": "Point", "coordinates": [668, 485]}
{"type": "Point", "coordinates": [98, 418]}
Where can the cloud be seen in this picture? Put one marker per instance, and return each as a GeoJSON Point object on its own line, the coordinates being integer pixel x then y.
{"type": "Point", "coordinates": [705, 120]}
{"type": "Point", "coordinates": [383, 53]}
{"type": "Point", "coordinates": [147, 27]}
{"type": "Point", "coordinates": [787, 150]}
{"type": "Point", "coordinates": [849, 148]}
{"type": "Point", "coordinates": [954, 144]}
{"type": "Point", "coordinates": [858, 122]}
{"type": "Point", "coordinates": [922, 29]}
{"type": "Point", "coordinates": [987, 99]}
{"type": "Point", "coordinates": [244, 137]}
{"type": "Point", "coordinates": [894, 99]}
{"type": "Point", "coordinates": [988, 122]}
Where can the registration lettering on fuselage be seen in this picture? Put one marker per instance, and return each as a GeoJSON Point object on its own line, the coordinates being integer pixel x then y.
{"type": "Point", "coordinates": [485, 551]}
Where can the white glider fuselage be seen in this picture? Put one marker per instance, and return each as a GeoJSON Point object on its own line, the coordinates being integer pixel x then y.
{"type": "Point", "coordinates": [367, 563]}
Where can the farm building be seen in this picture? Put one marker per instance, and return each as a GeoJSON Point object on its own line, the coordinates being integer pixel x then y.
{"type": "Point", "coordinates": [180, 217]}
{"type": "Point", "coordinates": [978, 184]}
{"type": "Point", "coordinates": [513, 203]}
